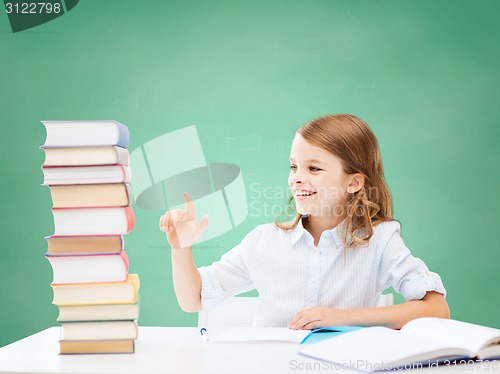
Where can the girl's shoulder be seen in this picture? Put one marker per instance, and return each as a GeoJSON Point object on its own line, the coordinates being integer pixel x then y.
{"type": "Point", "coordinates": [383, 231]}
{"type": "Point", "coordinates": [386, 226]}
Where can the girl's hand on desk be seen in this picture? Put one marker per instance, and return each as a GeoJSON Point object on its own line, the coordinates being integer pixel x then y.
{"type": "Point", "coordinates": [181, 227]}
{"type": "Point", "coordinates": [318, 316]}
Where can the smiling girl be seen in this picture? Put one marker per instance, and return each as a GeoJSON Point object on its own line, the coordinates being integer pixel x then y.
{"type": "Point", "coordinates": [329, 265]}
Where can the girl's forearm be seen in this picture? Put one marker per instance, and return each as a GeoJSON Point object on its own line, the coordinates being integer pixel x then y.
{"type": "Point", "coordinates": [187, 280]}
{"type": "Point", "coordinates": [396, 316]}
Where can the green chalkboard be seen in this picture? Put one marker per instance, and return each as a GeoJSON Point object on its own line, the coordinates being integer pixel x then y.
{"type": "Point", "coordinates": [423, 74]}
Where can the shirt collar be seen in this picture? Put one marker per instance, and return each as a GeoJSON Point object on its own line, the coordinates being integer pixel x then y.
{"type": "Point", "coordinates": [298, 231]}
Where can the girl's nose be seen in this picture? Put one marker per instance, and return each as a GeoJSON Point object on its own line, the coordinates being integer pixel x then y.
{"type": "Point", "coordinates": [297, 177]}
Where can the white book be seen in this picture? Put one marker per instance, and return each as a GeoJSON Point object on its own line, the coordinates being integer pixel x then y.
{"type": "Point", "coordinates": [93, 221]}
{"type": "Point", "coordinates": [423, 340]}
{"type": "Point", "coordinates": [105, 330]}
{"type": "Point", "coordinates": [110, 312]}
{"type": "Point", "coordinates": [85, 133]}
{"type": "Point", "coordinates": [79, 156]}
{"type": "Point", "coordinates": [86, 175]}
{"type": "Point", "coordinates": [98, 268]}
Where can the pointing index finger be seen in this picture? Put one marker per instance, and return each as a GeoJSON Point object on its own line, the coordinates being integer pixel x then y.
{"type": "Point", "coordinates": [189, 203]}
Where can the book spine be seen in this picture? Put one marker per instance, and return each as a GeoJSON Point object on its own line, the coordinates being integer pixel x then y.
{"type": "Point", "coordinates": [126, 173]}
{"type": "Point", "coordinates": [122, 156]}
{"type": "Point", "coordinates": [123, 135]}
{"type": "Point", "coordinates": [128, 191]}
{"type": "Point", "coordinates": [129, 212]}
{"type": "Point", "coordinates": [124, 257]}
{"type": "Point", "coordinates": [135, 282]}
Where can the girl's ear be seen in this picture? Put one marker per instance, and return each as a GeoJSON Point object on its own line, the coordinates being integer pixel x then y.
{"type": "Point", "coordinates": [357, 182]}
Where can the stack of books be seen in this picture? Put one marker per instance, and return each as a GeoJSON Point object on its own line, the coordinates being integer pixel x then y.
{"type": "Point", "coordinates": [86, 169]}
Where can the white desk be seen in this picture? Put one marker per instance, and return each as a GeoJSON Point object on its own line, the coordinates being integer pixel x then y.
{"type": "Point", "coordinates": [169, 350]}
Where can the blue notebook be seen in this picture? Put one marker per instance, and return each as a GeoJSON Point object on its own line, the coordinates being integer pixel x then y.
{"type": "Point", "coordinates": [323, 333]}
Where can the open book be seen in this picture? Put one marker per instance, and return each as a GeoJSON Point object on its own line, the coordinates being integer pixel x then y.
{"type": "Point", "coordinates": [423, 340]}
{"type": "Point", "coordinates": [259, 335]}
{"type": "Point", "coordinates": [279, 334]}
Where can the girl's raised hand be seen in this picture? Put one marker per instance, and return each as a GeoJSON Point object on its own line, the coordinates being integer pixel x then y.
{"type": "Point", "coordinates": [181, 227]}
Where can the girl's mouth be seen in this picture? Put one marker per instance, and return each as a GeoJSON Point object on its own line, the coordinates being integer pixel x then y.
{"type": "Point", "coordinates": [302, 195]}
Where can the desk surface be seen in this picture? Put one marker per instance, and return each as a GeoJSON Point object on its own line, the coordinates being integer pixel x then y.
{"type": "Point", "coordinates": [169, 350]}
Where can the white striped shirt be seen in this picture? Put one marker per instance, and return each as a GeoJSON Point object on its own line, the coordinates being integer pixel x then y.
{"type": "Point", "coordinates": [291, 274]}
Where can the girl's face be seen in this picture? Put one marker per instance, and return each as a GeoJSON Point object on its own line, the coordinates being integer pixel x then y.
{"type": "Point", "coordinates": [317, 180]}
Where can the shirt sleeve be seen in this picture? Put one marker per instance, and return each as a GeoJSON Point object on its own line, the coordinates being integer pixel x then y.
{"type": "Point", "coordinates": [408, 275]}
{"type": "Point", "coordinates": [227, 277]}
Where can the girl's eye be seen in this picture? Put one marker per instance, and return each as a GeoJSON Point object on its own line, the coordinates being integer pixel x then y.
{"type": "Point", "coordinates": [312, 168]}
{"type": "Point", "coordinates": [293, 167]}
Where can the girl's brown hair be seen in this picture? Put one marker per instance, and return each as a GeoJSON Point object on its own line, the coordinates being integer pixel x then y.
{"type": "Point", "coordinates": [350, 139]}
